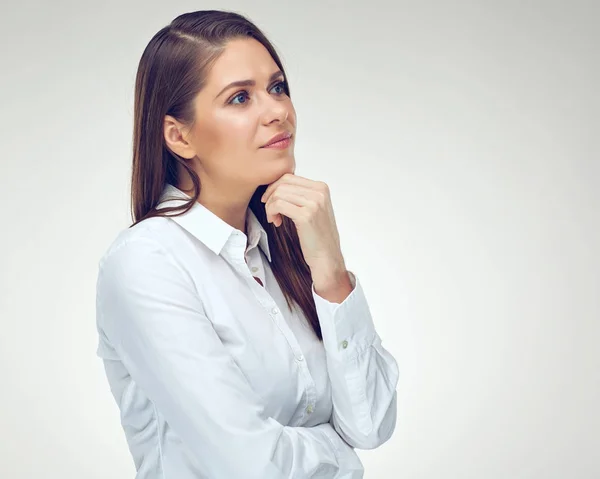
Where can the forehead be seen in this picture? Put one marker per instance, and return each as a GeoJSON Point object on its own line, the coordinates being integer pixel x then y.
{"type": "Point", "coordinates": [242, 59]}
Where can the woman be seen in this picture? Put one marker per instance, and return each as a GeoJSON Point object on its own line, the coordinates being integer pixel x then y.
{"type": "Point", "coordinates": [235, 342]}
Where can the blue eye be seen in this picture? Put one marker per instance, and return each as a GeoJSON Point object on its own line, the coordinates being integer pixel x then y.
{"type": "Point", "coordinates": [244, 93]}
{"type": "Point", "coordinates": [283, 85]}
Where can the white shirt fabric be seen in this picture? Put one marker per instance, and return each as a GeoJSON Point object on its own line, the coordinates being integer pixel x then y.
{"type": "Point", "coordinates": [215, 377]}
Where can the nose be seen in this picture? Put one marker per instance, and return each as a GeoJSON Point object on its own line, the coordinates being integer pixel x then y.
{"type": "Point", "coordinates": [275, 110]}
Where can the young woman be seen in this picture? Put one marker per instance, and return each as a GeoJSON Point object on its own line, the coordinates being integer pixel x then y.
{"type": "Point", "coordinates": [235, 342]}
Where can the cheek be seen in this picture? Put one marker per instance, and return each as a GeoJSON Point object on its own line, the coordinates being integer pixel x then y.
{"type": "Point", "coordinates": [234, 131]}
{"type": "Point", "coordinates": [224, 136]}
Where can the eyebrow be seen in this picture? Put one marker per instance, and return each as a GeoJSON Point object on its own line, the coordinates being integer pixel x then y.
{"type": "Point", "coordinates": [241, 83]}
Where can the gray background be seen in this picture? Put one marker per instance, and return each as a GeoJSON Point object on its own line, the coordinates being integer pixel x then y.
{"type": "Point", "coordinates": [460, 142]}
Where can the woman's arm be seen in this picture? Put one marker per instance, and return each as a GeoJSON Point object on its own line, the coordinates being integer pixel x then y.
{"type": "Point", "coordinates": [148, 308]}
{"type": "Point", "coordinates": [363, 374]}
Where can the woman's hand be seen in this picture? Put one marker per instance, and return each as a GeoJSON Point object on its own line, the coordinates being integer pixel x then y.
{"type": "Point", "coordinates": [308, 204]}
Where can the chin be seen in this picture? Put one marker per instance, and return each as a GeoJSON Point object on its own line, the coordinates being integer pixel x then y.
{"type": "Point", "coordinates": [288, 168]}
{"type": "Point", "coordinates": [273, 175]}
{"type": "Point", "coordinates": [281, 167]}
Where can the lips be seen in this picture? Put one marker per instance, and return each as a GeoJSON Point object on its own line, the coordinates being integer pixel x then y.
{"type": "Point", "coordinates": [279, 137]}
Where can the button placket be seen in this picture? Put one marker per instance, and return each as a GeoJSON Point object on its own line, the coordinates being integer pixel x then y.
{"type": "Point", "coordinates": [267, 301]}
{"type": "Point", "coordinates": [310, 388]}
{"type": "Point", "coordinates": [253, 266]}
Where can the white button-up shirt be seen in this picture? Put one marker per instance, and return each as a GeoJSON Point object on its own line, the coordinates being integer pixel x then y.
{"type": "Point", "coordinates": [215, 377]}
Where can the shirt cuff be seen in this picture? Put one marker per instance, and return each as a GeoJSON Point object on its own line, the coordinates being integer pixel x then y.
{"type": "Point", "coordinates": [347, 327]}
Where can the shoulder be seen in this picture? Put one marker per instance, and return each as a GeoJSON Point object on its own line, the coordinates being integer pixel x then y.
{"type": "Point", "coordinates": [149, 238]}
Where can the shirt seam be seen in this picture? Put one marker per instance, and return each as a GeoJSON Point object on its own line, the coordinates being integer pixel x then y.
{"type": "Point", "coordinates": [159, 435]}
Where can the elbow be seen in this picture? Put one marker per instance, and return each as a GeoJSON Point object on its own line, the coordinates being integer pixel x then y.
{"type": "Point", "coordinates": [380, 432]}
{"type": "Point", "coordinates": [378, 437]}
{"type": "Point", "coordinates": [384, 431]}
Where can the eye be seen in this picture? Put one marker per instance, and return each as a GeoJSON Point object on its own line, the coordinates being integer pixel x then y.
{"type": "Point", "coordinates": [238, 95]}
{"type": "Point", "coordinates": [283, 85]}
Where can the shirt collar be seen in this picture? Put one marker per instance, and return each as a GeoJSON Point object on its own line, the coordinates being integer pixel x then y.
{"type": "Point", "coordinates": [208, 227]}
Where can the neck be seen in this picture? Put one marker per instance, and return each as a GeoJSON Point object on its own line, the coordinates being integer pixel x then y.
{"type": "Point", "coordinates": [233, 209]}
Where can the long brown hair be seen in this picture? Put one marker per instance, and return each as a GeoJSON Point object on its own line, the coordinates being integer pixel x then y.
{"type": "Point", "coordinates": [171, 72]}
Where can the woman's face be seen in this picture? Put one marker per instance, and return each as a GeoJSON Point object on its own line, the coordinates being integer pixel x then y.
{"type": "Point", "coordinates": [233, 122]}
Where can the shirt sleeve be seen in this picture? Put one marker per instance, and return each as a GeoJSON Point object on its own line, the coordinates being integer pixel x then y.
{"type": "Point", "coordinates": [363, 374]}
{"type": "Point", "coordinates": [147, 306]}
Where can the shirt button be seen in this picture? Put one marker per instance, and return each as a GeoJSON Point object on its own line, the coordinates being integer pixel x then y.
{"type": "Point", "coordinates": [309, 409]}
{"type": "Point", "coordinates": [254, 269]}
{"type": "Point", "coordinates": [300, 357]}
{"type": "Point", "coordinates": [274, 310]}
{"type": "Point", "coordinates": [344, 344]}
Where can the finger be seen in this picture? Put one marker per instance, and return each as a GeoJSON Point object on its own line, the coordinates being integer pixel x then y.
{"type": "Point", "coordinates": [288, 178]}
{"type": "Point", "coordinates": [287, 189]}
{"type": "Point", "coordinates": [298, 196]}
{"type": "Point", "coordinates": [282, 207]}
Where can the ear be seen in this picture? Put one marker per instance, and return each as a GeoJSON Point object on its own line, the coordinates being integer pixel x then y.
{"type": "Point", "coordinates": [177, 138]}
